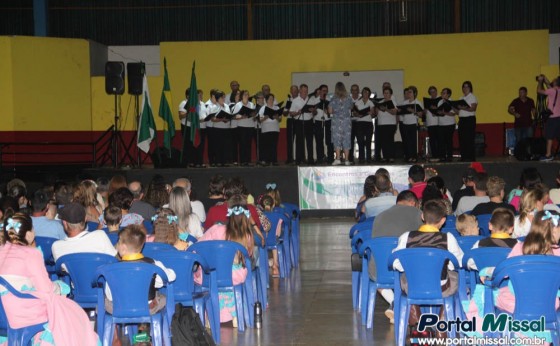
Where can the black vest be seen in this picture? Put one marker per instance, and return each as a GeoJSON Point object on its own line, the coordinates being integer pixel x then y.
{"type": "Point", "coordinates": [496, 242]}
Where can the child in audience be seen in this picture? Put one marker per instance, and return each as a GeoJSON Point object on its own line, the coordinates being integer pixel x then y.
{"type": "Point", "coordinates": [166, 230]}
{"type": "Point", "coordinates": [130, 244]}
{"type": "Point", "coordinates": [267, 204]}
{"type": "Point", "coordinates": [531, 202]}
{"type": "Point", "coordinates": [239, 229]}
{"type": "Point", "coordinates": [272, 191]}
{"type": "Point", "coordinates": [113, 218]}
{"type": "Point", "coordinates": [467, 225]}
{"type": "Point", "coordinates": [501, 228]}
{"type": "Point", "coordinates": [428, 235]}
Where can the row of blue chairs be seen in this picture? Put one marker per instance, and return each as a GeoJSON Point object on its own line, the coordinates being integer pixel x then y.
{"type": "Point", "coordinates": [423, 272]}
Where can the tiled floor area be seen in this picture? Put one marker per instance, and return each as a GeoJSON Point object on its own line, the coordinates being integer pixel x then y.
{"type": "Point", "coordinates": [314, 305]}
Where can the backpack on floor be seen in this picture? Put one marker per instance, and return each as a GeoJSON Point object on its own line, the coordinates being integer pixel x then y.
{"type": "Point", "coordinates": [187, 328]}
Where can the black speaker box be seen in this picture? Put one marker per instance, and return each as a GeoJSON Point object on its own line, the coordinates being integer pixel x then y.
{"type": "Point", "coordinates": [114, 77]}
{"type": "Point", "coordinates": [530, 149]}
{"type": "Point", "coordinates": [135, 72]}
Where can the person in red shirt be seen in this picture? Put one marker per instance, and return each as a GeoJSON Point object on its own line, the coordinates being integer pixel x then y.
{"type": "Point", "coordinates": [218, 213]}
{"type": "Point", "coordinates": [523, 109]}
{"type": "Point", "coordinates": [416, 179]}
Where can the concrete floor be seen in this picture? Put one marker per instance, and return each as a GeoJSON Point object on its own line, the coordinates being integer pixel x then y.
{"type": "Point", "coordinates": [314, 305]}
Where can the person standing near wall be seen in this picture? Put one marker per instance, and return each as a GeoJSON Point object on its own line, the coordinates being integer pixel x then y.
{"type": "Point", "coordinates": [552, 126]}
{"type": "Point", "coordinates": [364, 126]}
{"type": "Point", "coordinates": [303, 126]}
{"type": "Point", "coordinates": [523, 109]}
{"type": "Point", "coordinates": [431, 122]}
{"type": "Point", "coordinates": [446, 127]}
{"type": "Point", "coordinates": [386, 128]}
{"type": "Point", "coordinates": [355, 94]}
{"type": "Point", "coordinates": [290, 126]}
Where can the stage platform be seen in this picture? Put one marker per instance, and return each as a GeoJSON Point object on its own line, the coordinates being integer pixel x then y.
{"type": "Point", "coordinates": [286, 177]}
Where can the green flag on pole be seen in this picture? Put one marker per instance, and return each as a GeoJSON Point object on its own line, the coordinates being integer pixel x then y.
{"type": "Point", "coordinates": [165, 111]}
{"type": "Point", "coordinates": [147, 125]}
{"type": "Point", "coordinates": [193, 108]}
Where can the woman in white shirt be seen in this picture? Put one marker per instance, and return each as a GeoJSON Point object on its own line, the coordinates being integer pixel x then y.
{"type": "Point", "coordinates": [409, 125]}
{"type": "Point", "coordinates": [467, 124]}
{"type": "Point", "coordinates": [364, 126]}
{"type": "Point", "coordinates": [431, 122]}
{"type": "Point", "coordinates": [245, 129]}
{"type": "Point", "coordinates": [270, 129]}
{"type": "Point", "coordinates": [387, 126]}
{"type": "Point", "coordinates": [446, 128]}
{"type": "Point", "coordinates": [222, 131]}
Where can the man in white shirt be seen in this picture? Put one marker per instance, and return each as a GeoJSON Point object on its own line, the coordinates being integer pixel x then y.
{"type": "Point", "coordinates": [79, 240]}
{"type": "Point", "coordinates": [230, 98]}
{"type": "Point", "coordinates": [43, 226]}
{"type": "Point", "coordinates": [303, 126]}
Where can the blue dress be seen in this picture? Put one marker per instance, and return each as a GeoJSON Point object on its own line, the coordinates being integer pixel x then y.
{"type": "Point", "coordinates": [341, 124]}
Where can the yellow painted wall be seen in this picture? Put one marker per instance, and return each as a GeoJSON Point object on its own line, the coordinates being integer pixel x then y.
{"type": "Point", "coordinates": [50, 84]}
{"type": "Point", "coordinates": [6, 115]}
{"type": "Point", "coordinates": [493, 62]}
{"type": "Point", "coordinates": [103, 110]}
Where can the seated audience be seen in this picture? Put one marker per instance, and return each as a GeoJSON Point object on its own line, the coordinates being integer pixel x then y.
{"type": "Point", "coordinates": [555, 193]}
{"type": "Point", "coordinates": [432, 192]}
{"type": "Point", "coordinates": [369, 192]}
{"type": "Point", "coordinates": [131, 241]}
{"type": "Point", "coordinates": [428, 235]}
{"type": "Point", "coordinates": [22, 265]}
{"type": "Point", "coordinates": [157, 194]}
{"type": "Point", "coordinates": [117, 181]}
{"type": "Point", "coordinates": [238, 228]}
{"type": "Point", "coordinates": [467, 225]}
{"type": "Point", "coordinates": [196, 206]}
{"type": "Point", "coordinates": [385, 172]}
{"type": "Point", "coordinates": [416, 179]}
{"type": "Point", "coordinates": [166, 230]}
{"type": "Point", "coordinates": [78, 239]}
{"type": "Point", "coordinates": [85, 193]}
{"type": "Point", "coordinates": [467, 189]}
{"type": "Point", "coordinates": [188, 222]}
{"type": "Point", "coordinates": [122, 198]}
{"type": "Point", "coordinates": [43, 226]}
{"type": "Point", "coordinates": [530, 176]}
{"type": "Point", "coordinates": [495, 190]}
{"type": "Point", "coordinates": [531, 202]}
{"type": "Point", "coordinates": [501, 228]}
{"type": "Point", "coordinates": [384, 199]}
{"type": "Point", "coordinates": [139, 206]}
{"type": "Point", "coordinates": [215, 192]}
{"type": "Point", "coordinates": [468, 203]}
{"type": "Point", "coordinates": [113, 218]}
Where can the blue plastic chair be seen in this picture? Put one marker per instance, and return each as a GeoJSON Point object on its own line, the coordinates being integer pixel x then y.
{"type": "Point", "coordinates": [423, 268]}
{"type": "Point", "coordinates": [243, 293]}
{"type": "Point", "coordinates": [274, 243]}
{"type": "Point", "coordinates": [451, 230]}
{"type": "Point", "coordinates": [377, 249]}
{"type": "Point", "coordinates": [113, 237]}
{"type": "Point", "coordinates": [482, 257]}
{"type": "Point", "coordinates": [46, 247]}
{"type": "Point", "coordinates": [523, 272]}
{"type": "Point", "coordinates": [261, 272]}
{"type": "Point", "coordinates": [483, 220]}
{"type": "Point", "coordinates": [130, 284]}
{"type": "Point", "coordinates": [287, 243]}
{"type": "Point", "coordinates": [153, 249]}
{"type": "Point", "coordinates": [367, 224]}
{"type": "Point", "coordinates": [355, 245]}
{"type": "Point", "coordinates": [92, 226]}
{"type": "Point", "coordinates": [466, 242]}
{"type": "Point", "coordinates": [149, 226]}
{"type": "Point", "coordinates": [184, 264]}
{"type": "Point", "coordinates": [450, 221]}
{"type": "Point", "coordinates": [294, 235]}
{"type": "Point", "coordinates": [19, 336]}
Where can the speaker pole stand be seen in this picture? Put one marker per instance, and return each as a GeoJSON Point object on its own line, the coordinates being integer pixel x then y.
{"type": "Point", "coordinates": [114, 140]}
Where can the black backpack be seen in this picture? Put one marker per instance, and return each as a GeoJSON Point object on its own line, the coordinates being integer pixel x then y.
{"type": "Point", "coordinates": [187, 328]}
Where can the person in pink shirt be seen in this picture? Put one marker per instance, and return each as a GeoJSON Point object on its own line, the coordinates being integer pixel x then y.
{"type": "Point", "coordinates": [22, 265]}
{"type": "Point", "coordinates": [552, 127]}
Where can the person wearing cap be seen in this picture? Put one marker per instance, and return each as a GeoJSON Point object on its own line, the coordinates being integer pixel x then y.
{"type": "Point", "coordinates": [79, 240]}
{"type": "Point", "coordinates": [467, 189]}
